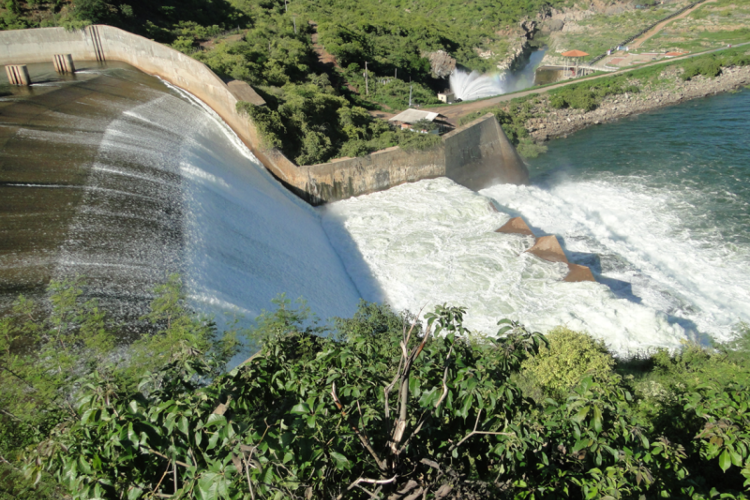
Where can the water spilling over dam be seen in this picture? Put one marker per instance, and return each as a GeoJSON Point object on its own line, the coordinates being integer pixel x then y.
{"type": "Point", "coordinates": [117, 177]}
{"type": "Point", "coordinates": [657, 206]}
{"type": "Point", "coordinates": [469, 86]}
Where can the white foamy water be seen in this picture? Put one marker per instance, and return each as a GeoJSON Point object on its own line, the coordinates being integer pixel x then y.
{"type": "Point", "coordinates": [469, 86]}
{"type": "Point", "coordinates": [433, 242]}
{"type": "Point", "coordinates": [173, 189]}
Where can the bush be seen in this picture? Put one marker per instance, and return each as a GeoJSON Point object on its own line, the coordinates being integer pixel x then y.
{"type": "Point", "coordinates": [709, 67]}
{"type": "Point", "coordinates": [566, 360]}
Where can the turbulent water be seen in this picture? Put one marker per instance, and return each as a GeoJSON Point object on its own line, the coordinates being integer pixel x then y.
{"type": "Point", "coordinates": [120, 178]}
{"type": "Point", "coordinates": [116, 176]}
{"type": "Point", "coordinates": [656, 205]}
{"type": "Point", "coordinates": [469, 86]}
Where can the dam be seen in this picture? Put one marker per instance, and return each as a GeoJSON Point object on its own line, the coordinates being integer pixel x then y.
{"type": "Point", "coordinates": [122, 178]}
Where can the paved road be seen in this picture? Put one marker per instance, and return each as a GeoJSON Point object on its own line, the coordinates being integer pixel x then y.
{"type": "Point", "coordinates": [455, 111]}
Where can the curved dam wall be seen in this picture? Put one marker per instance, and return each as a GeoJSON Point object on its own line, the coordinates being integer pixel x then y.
{"type": "Point", "coordinates": [475, 155]}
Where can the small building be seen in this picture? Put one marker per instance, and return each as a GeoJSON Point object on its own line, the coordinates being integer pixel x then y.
{"type": "Point", "coordinates": [406, 119]}
{"type": "Point", "coordinates": [447, 97]}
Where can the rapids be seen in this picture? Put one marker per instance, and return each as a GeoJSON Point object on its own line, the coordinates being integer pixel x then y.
{"type": "Point", "coordinates": [656, 205]}
{"type": "Point", "coordinates": [123, 179]}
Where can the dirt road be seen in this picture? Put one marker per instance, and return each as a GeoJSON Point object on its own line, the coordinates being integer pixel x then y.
{"type": "Point", "coordinates": [656, 29]}
{"type": "Point", "coordinates": [456, 111]}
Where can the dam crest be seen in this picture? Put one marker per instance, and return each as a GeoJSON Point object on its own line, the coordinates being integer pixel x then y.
{"type": "Point", "coordinates": [476, 155]}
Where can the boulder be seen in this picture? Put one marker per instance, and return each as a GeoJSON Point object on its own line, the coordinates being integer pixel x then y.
{"type": "Point", "coordinates": [441, 63]}
{"type": "Point", "coordinates": [515, 226]}
{"type": "Point", "coordinates": [578, 273]}
{"type": "Point", "coordinates": [548, 248]}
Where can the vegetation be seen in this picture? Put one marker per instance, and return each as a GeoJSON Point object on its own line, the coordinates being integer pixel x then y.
{"type": "Point", "coordinates": [712, 25]}
{"type": "Point", "coordinates": [512, 118]}
{"type": "Point", "coordinates": [364, 408]}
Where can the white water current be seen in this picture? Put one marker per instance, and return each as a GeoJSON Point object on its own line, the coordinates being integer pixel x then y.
{"type": "Point", "coordinates": [195, 200]}
{"type": "Point", "coordinates": [433, 242]}
{"type": "Point", "coordinates": [469, 86]}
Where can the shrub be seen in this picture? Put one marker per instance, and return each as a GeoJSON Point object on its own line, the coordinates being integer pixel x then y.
{"type": "Point", "coordinates": [710, 67]}
{"type": "Point", "coordinates": [566, 360]}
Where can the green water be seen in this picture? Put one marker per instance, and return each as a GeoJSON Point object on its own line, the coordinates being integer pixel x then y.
{"type": "Point", "coordinates": [659, 205]}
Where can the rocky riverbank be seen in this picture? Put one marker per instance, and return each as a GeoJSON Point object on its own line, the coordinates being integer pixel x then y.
{"type": "Point", "coordinates": [549, 123]}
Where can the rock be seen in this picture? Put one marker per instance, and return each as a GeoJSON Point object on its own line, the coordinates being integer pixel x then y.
{"type": "Point", "coordinates": [552, 25]}
{"type": "Point", "coordinates": [548, 248]}
{"type": "Point", "coordinates": [441, 64]}
{"type": "Point", "coordinates": [578, 273]}
{"type": "Point", "coordinates": [515, 226]}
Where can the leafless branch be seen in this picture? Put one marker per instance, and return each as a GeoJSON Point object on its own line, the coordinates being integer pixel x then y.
{"type": "Point", "coordinates": [160, 480]}
{"type": "Point", "coordinates": [365, 442]}
{"type": "Point", "coordinates": [372, 481]}
{"type": "Point", "coordinates": [476, 432]}
{"type": "Point", "coordinates": [151, 450]}
{"type": "Point", "coordinates": [247, 475]}
{"type": "Point", "coordinates": [445, 379]}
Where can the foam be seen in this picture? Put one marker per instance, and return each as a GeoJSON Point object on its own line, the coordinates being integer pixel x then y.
{"type": "Point", "coordinates": [433, 242]}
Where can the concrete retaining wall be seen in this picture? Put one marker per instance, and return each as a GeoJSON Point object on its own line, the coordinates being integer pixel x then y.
{"type": "Point", "coordinates": [475, 155]}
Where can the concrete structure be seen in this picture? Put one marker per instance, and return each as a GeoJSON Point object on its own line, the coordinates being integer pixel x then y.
{"type": "Point", "coordinates": [548, 248]}
{"type": "Point", "coordinates": [17, 74]}
{"type": "Point", "coordinates": [447, 97]}
{"type": "Point", "coordinates": [413, 116]}
{"type": "Point", "coordinates": [515, 226]}
{"type": "Point", "coordinates": [63, 63]}
{"type": "Point", "coordinates": [476, 155]}
{"type": "Point", "coordinates": [578, 273]}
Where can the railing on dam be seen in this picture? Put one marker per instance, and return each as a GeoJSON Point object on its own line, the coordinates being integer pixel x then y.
{"type": "Point", "coordinates": [475, 155]}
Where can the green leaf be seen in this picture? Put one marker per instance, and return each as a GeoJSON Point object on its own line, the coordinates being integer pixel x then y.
{"type": "Point", "coordinates": [215, 419]}
{"type": "Point", "coordinates": [725, 461]}
{"type": "Point", "coordinates": [341, 461]}
{"type": "Point", "coordinates": [581, 414]}
{"type": "Point", "coordinates": [183, 426]}
{"type": "Point", "coordinates": [596, 419]}
{"type": "Point", "coordinates": [580, 444]}
{"type": "Point", "coordinates": [300, 409]}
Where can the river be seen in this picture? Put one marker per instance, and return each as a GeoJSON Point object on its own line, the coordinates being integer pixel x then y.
{"type": "Point", "coordinates": [119, 177]}
{"type": "Point", "coordinates": [657, 206]}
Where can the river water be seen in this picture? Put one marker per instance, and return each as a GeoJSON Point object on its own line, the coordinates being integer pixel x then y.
{"type": "Point", "coordinates": [118, 177]}
{"type": "Point", "coordinates": [657, 205]}
{"type": "Point", "coordinates": [115, 176]}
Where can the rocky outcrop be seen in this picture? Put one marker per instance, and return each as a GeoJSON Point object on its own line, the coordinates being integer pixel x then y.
{"type": "Point", "coordinates": [548, 248]}
{"type": "Point", "coordinates": [441, 63]}
{"type": "Point", "coordinates": [515, 226]}
{"type": "Point", "coordinates": [577, 273]}
{"type": "Point", "coordinates": [561, 122]}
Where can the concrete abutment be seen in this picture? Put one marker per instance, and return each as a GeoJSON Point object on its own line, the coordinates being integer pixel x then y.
{"type": "Point", "coordinates": [476, 155]}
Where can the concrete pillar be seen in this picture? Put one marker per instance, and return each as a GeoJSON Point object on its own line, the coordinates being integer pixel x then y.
{"type": "Point", "coordinates": [18, 74]}
{"type": "Point", "coordinates": [63, 63]}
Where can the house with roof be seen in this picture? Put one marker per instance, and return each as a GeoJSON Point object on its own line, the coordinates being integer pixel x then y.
{"type": "Point", "coordinates": [407, 120]}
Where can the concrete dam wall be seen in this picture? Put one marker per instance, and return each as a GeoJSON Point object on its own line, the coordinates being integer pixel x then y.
{"type": "Point", "coordinates": [475, 155]}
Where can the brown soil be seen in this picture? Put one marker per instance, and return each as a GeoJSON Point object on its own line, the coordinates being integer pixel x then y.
{"type": "Point", "coordinates": [656, 29]}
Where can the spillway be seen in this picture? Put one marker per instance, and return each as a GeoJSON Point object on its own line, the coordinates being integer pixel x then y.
{"type": "Point", "coordinates": [118, 177]}
{"type": "Point", "coordinates": [656, 205]}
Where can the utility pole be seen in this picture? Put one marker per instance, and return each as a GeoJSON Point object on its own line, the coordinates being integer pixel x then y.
{"type": "Point", "coordinates": [410, 89]}
{"type": "Point", "coordinates": [285, 7]}
{"type": "Point", "coordinates": [395, 73]}
{"type": "Point", "coordinates": [367, 88]}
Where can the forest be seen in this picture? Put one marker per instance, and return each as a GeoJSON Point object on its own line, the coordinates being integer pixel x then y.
{"type": "Point", "coordinates": [269, 44]}
{"type": "Point", "coordinates": [379, 405]}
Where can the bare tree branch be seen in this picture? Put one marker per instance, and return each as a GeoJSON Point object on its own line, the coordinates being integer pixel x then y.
{"type": "Point", "coordinates": [247, 475]}
{"type": "Point", "coordinates": [365, 442]}
{"type": "Point", "coordinates": [475, 432]}
{"type": "Point", "coordinates": [445, 379]}
{"type": "Point", "coordinates": [372, 481]}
